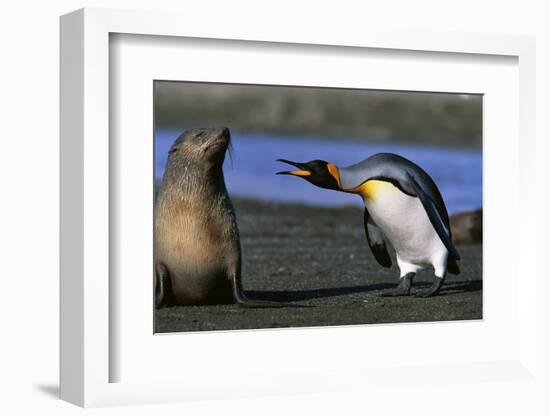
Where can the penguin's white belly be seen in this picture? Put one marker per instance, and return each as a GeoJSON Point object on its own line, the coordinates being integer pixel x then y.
{"type": "Point", "coordinates": [404, 222]}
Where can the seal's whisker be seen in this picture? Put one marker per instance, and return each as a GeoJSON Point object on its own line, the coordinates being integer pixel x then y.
{"type": "Point", "coordinates": [230, 153]}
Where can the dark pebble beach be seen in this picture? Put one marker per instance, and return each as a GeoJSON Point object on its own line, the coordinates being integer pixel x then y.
{"type": "Point", "coordinates": [317, 261]}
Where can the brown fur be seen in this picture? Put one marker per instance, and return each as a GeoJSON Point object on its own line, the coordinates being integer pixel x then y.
{"type": "Point", "coordinates": [196, 234]}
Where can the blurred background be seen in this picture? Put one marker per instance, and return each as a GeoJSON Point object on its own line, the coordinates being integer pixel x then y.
{"type": "Point", "coordinates": [440, 132]}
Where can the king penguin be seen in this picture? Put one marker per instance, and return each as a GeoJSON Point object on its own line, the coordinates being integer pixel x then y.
{"type": "Point", "coordinates": [402, 206]}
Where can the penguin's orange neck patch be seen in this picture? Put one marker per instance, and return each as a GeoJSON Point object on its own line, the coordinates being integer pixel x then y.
{"type": "Point", "coordinates": [334, 172]}
{"type": "Point", "coordinates": [369, 190]}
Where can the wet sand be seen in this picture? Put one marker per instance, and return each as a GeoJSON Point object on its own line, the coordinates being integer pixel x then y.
{"type": "Point", "coordinates": [319, 258]}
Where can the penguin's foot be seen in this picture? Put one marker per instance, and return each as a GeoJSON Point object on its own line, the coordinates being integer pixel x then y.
{"type": "Point", "coordinates": [403, 289]}
{"type": "Point", "coordinates": [432, 291]}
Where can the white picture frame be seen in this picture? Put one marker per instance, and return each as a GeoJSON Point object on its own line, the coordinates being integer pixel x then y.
{"type": "Point", "coordinates": [86, 354]}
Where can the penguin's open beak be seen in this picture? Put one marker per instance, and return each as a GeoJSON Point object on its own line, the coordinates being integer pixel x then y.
{"type": "Point", "coordinates": [300, 172]}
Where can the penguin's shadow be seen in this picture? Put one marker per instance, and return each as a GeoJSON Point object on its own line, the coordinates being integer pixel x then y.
{"type": "Point", "coordinates": [452, 288]}
{"type": "Point", "coordinates": [309, 294]}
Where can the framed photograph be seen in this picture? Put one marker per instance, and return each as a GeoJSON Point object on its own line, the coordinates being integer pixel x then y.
{"type": "Point", "coordinates": [308, 257]}
{"type": "Point", "coordinates": [274, 213]}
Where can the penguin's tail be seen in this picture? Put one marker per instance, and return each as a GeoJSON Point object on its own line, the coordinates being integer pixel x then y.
{"type": "Point", "coordinates": [452, 266]}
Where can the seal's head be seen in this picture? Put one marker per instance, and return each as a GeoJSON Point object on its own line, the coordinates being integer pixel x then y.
{"type": "Point", "coordinates": [205, 146]}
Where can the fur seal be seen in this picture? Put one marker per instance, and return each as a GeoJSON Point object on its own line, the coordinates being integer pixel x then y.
{"type": "Point", "coordinates": [197, 245]}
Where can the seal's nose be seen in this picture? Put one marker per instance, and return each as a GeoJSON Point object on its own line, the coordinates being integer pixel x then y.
{"type": "Point", "coordinates": [225, 132]}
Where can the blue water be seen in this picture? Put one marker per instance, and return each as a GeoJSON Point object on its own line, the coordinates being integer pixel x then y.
{"type": "Point", "coordinates": [250, 172]}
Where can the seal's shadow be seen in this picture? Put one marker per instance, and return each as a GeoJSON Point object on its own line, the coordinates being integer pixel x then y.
{"type": "Point", "coordinates": [297, 295]}
{"type": "Point", "coordinates": [309, 294]}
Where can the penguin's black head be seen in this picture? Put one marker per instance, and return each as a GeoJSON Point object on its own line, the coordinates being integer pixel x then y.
{"type": "Point", "coordinates": [317, 172]}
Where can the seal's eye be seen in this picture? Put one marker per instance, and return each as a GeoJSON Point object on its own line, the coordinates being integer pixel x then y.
{"type": "Point", "coordinates": [172, 150]}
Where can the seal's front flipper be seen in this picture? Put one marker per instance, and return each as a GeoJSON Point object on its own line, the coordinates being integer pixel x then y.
{"type": "Point", "coordinates": [242, 300]}
{"type": "Point", "coordinates": [432, 291]}
{"type": "Point", "coordinates": [163, 287]}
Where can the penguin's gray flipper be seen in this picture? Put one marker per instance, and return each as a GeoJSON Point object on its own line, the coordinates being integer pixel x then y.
{"type": "Point", "coordinates": [440, 228]}
{"type": "Point", "coordinates": [376, 241]}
